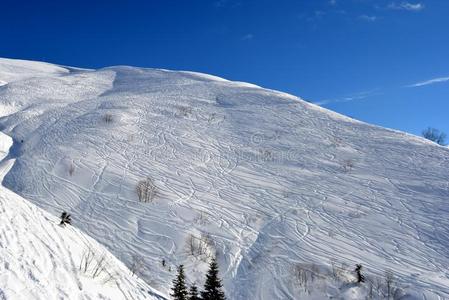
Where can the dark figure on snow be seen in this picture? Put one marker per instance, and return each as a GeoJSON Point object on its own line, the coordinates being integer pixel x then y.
{"type": "Point", "coordinates": [65, 219]}
{"type": "Point", "coordinates": [358, 271]}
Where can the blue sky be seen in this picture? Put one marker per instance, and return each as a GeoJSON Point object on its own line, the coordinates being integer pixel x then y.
{"type": "Point", "coordinates": [384, 62]}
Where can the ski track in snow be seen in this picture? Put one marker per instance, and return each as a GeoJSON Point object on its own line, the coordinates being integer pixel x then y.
{"type": "Point", "coordinates": [39, 259]}
{"type": "Point", "coordinates": [260, 171]}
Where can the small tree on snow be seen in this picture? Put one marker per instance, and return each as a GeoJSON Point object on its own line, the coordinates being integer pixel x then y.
{"type": "Point", "coordinates": [179, 289]}
{"type": "Point", "coordinates": [137, 265]}
{"type": "Point", "coordinates": [358, 271]}
{"type": "Point", "coordinates": [146, 190]}
{"type": "Point", "coordinates": [65, 219]}
{"type": "Point", "coordinates": [213, 288]}
{"type": "Point", "coordinates": [193, 293]}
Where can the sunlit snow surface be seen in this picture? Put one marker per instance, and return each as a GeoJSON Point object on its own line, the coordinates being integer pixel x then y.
{"type": "Point", "coordinates": [39, 259]}
{"type": "Point", "coordinates": [274, 181]}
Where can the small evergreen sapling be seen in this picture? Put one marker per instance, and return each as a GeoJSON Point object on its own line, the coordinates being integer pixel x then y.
{"type": "Point", "coordinates": [179, 289]}
{"type": "Point", "coordinates": [358, 271]}
{"type": "Point", "coordinates": [213, 288]}
{"type": "Point", "coordinates": [65, 219]}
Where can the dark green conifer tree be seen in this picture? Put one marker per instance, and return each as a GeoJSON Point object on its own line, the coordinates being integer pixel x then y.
{"type": "Point", "coordinates": [179, 289]}
{"type": "Point", "coordinates": [193, 293]}
{"type": "Point", "coordinates": [213, 289]}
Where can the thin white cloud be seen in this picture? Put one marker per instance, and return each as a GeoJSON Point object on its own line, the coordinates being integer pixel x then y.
{"type": "Point", "coordinates": [430, 81]}
{"type": "Point", "coordinates": [368, 18]}
{"type": "Point", "coordinates": [333, 2]}
{"type": "Point", "coordinates": [220, 3]}
{"type": "Point", "coordinates": [248, 37]}
{"type": "Point", "coordinates": [406, 6]}
{"type": "Point", "coordinates": [354, 97]}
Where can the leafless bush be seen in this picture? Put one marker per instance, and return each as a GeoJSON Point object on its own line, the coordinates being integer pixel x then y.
{"type": "Point", "coordinates": [338, 142]}
{"type": "Point", "coordinates": [342, 271]}
{"type": "Point", "coordinates": [183, 111]}
{"type": "Point", "coordinates": [86, 260]}
{"type": "Point", "coordinates": [266, 155]}
{"type": "Point", "coordinates": [201, 246]}
{"type": "Point", "coordinates": [71, 169]}
{"type": "Point", "coordinates": [334, 270]}
{"type": "Point", "coordinates": [100, 266]}
{"type": "Point", "coordinates": [137, 265]}
{"type": "Point", "coordinates": [108, 118]}
{"type": "Point", "coordinates": [331, 233]}
{"type": "Point", "coordinates": [435, 135]}
{"type": "Point", "coordinates": [389, 283]}
{"type": "Point", "coordinates": [146, 190]}
{"type": "Point", "coordinates": [370, 289]}
{"type": "Point", "coordinates": [212, 117]}
{"type": "Point", "coordinates": [306, 274]}
{"type": "Point", "coordinates": [201, 219]}
{"type": "Point", "coordinates": [96, 266]}
{"type": "Point", "coordinates": [347, 166]}
{"type": "Point", "coordinates": [378, 286]}
{"type": "Point", "coordinates": [110, 277]}
{"type": "Point", "coordinates": [385, 288]}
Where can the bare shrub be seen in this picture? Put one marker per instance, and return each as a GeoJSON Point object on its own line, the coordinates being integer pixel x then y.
{"type": "Point", "coordinates": [183, 111]}
{"type": "Point", "coordinates": [336, 142]}
{"type": "Point", "coordinates": [384, 287]}
{"type": "Point", "coordinates": [370, 290]}
{"type": "Point", "coordinates": [347, 165]}
{"type": "Point", "coordinates": [341, 271]}
{"type": "Point", "coordinates": [435, 135]}
{"type": "Point", "coordinates": [110, 277]}
{"type": "Point", "coordinates": [266, 155]}
{"type": "Point", "coordinates": [378, 286]}
{"type": "Point", "coordinates": [212, 118]}
{"type": "Point", "coordinates": [202, 219]}
{"type": "Point", "coordinates": [334, 270]}
{"type": "Point", "coordinates": [306, 275]}
{"type": "Point", "coordinates": [108, 118]}
{"type": "Point", "coordinates": [201, 246]}
{"type": "Point", "coordinates": [137, 265]}
{"type": "Point", "coordinates": [146, 190]}
{"type": "Point", "coordinates": [389, 283]}
{"type": "Point", "coordinates": [86, 260]}
{"type": "Point", "coordinates": [71, 170]}
{"type": "Point", "coordinates": [100, 266]}
{"type": "Point", "coordinates": [96, 265]}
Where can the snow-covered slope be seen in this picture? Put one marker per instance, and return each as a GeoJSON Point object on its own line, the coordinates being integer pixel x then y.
{"type": "Point", "coordinates": [272, 185]}
{"type": "Point", "coordinates": [41, 260]}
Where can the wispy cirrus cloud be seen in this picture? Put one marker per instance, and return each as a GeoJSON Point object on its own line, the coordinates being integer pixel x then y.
{"type": "Point", "coordinates": [248, 37]}
{"type": "Point", "coordinates": [368, 18]}
{"type": "Point", "coordinates": [406, 6]}
{"type": "Point", "coordinates": [429, 82]}
{"type": "Point", "coordinates": [353, 97]}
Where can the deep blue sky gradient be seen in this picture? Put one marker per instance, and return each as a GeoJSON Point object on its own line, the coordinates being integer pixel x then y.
{"type": "Point", "coordinates": [356, 57]}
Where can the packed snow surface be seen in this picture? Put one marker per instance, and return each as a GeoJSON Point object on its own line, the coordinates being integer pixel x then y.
{"type": "Point", "coordinates": [270, 184]}
{"type": "Point", "coordinates": [39, 259]}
